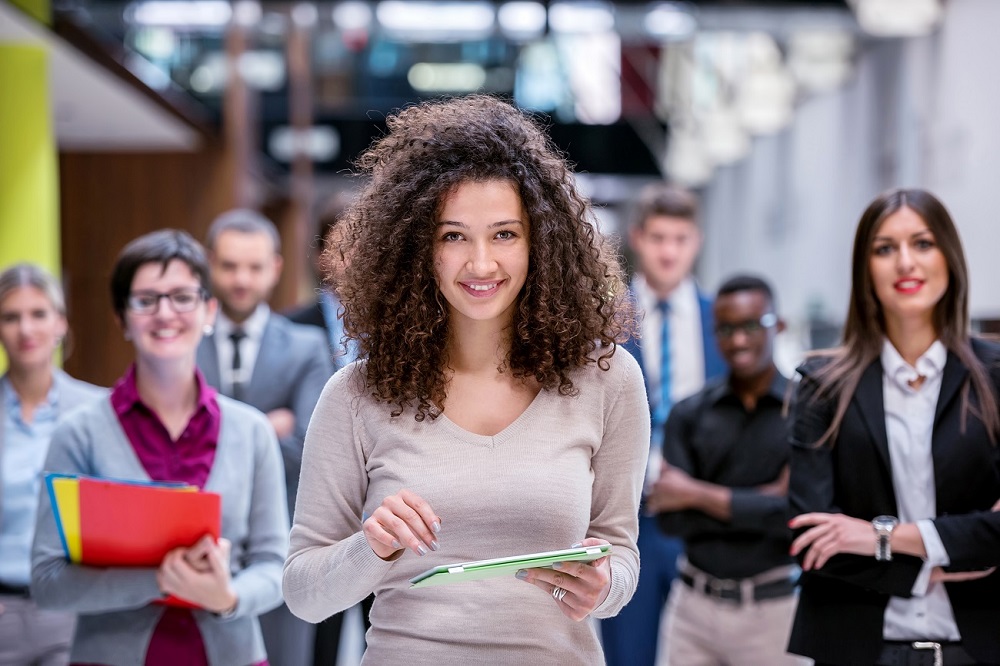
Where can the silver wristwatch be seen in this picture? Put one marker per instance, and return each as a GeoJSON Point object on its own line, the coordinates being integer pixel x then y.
{"type": "Point", "coordinates": [884, 525]}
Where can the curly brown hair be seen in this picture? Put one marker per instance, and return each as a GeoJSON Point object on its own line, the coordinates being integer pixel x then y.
{"type": "Point", "coordinates": [574, 302]}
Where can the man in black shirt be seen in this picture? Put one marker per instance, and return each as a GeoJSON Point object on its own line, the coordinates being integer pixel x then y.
{"type": "Point", "coordinates": [723, 490]}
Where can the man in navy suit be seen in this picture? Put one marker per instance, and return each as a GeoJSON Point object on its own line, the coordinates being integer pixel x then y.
{"type": "Point", "coordinates": [677, 353]}
{"type": "Point", "coordinates": [260, 358]}
{"type": "Point", "coordinates": [325, 311]}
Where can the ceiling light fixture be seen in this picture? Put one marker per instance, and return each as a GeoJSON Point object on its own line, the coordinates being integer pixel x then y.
{"type": "Point", "coordinates": [898, 18]}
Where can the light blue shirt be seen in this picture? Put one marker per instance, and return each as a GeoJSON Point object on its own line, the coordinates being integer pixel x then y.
{"type": "Point", "coordinates": [342, 354]}
{"type": "Point", "coordinates": [25, 447]}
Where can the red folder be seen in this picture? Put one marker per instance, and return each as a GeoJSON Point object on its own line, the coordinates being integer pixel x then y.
{"type": "Point", "coordinates": [127, 524]}
{"type": "Point", "coordinates": [134, 524]}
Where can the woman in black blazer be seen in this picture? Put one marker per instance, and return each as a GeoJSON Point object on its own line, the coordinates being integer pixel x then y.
{"type": "Point", "coordinates": [895, 471]}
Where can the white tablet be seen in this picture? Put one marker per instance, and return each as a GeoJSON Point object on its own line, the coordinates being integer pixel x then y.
{"type": "Point", "coordinates": [505, 566]}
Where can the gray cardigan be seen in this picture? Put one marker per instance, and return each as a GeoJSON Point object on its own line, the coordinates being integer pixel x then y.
{"type": "Point", "coordinates": [116, 616]}
{"type": "Point", "coordinates": [71, 393]}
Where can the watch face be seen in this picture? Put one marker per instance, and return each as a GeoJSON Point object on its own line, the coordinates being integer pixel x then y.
{"type": "Point", "coordinates": [885, 522]}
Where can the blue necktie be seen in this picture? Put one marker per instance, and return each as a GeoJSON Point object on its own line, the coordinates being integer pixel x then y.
{"type": "Point", "coordinates": [343, 354]}
{"type": "Point", "coordinates": [664, 404]}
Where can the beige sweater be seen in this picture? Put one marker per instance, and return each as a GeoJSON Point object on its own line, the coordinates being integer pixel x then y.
{"type": "Point", "coordinates": [566, 469]}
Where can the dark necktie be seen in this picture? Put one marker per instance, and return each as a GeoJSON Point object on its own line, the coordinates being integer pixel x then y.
{"type": "Point", "coordinates": [237, 336]}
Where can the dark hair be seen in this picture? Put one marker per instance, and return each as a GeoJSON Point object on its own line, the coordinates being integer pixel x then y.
{"type": "Point", "coordinates": [865, 328]}
{"type": "Point", "coordinates": [245, 221]}
{"type": "Point", "coordinates": [666, 200]}
{"type": "Point", "coordinates": [574, 302]}
{"type": "Point", "coordinates": [738, 283]}
{"type": "Point", "coordinates": [160, 247]}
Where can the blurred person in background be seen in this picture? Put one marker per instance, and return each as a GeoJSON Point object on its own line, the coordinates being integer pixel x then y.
{"type": "Point", "coordinates": [490, 414]}
{"type": "Point", "coordinates": [895, 468]}
{"type": "Point", "coordinates": [326, 312]}
{"type": "Point", "coordinates": [34, 395]}
{"type": "Point", "coordinates": [723, 490]}
{"type": "Point", "coordinates": [677, 354]}
{"type": "Point", "coordinates": [259, 357]}
{"type": "Point", "coordinates": [163, 422]}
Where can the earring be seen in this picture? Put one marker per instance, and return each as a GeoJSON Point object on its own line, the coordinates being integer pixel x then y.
{"type": "Point", "coordinates": [208, 329]}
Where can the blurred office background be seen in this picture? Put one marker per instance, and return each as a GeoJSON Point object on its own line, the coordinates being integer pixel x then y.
{"type": "Point", "coordinates": [785, 116]}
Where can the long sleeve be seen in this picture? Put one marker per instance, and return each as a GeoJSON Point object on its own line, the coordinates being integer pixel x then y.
{"type": "Point", "coordinates": [619, 468]}
{"type": "Point", "coordinates": [567, 468]}
{"type": "Point", "coordinates": [315, 371]}
{"type": "Point", "coordinates": [676, 453]}
{"type": "Point", "coordinates": [55, 582]}
{"type": "Point", "coordinates": [258, 583]}
{"type": "Point", "coordinates": [752, 512]}
{"type": "Point", "coordinates": [812, 489]}
{"type": "Point", "coordinates": [330, 566]}
{"type": "Point", "coordinates": [972, 540]}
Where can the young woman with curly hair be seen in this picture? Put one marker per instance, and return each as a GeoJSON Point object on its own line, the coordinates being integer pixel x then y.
{"type": "Point", "coordinates": [492, 416]}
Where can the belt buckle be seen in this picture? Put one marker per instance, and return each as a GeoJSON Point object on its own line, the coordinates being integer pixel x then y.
{"type": "Point", "coordinates": [928, 645]}
{"type": "Point", "coordinates": [719, 586]}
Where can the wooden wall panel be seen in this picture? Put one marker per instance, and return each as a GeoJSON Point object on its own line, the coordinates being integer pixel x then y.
{"type": "Point", "coordinates": [106, 201]}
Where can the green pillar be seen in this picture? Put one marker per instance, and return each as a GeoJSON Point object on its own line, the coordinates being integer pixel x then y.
{"type": "Point", "coordinates": [29, 190]}
{"type": "Point", "coordinates": [37, 9]}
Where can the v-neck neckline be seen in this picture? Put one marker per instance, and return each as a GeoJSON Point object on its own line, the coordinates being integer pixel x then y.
{"type": "Point", "coordinates": [513, 428]}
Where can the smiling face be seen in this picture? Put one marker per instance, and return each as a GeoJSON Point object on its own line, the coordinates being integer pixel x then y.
{"type": "Point", "coordinates": [666, 248]}
{"type": "Point", "coordinates": [165, 334]}
{"type": "Point", "coordinates": [744, 333]}
{"type": "Point", "coordinates": [908, 270]}
{"type": "Point", "coordinates": [481, 251]}
{"type": "Point", "coordinates": [30, 327]}
{"type": "Point", "coordinates": [245, 269]}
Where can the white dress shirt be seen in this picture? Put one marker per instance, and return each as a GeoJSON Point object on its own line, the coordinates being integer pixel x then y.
{"type": "Point", "coordinates": [909, 424]}
{"type": "Point", "coordinates": [687, 355]}
{"type": "Point", "coordinates": [253, 327]}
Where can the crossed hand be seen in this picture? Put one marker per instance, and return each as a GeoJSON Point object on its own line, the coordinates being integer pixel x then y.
{"type": "Point", "coordinates": [199, 574]}
{"type": "Point", "coordinates": [833, 533]}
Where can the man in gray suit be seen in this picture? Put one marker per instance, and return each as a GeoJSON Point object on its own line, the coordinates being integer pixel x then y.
{"type": "Point", "coordinates": [259, 357]}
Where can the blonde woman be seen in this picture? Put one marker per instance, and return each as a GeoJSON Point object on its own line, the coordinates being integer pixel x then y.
{"type": "Point", "coordinates": [34, 394]}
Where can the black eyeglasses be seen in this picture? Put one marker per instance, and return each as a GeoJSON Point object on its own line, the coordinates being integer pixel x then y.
{"type": "Point", "coordinates": [749, 327]}
{"type": "Point", "coordinates": [181, 300]}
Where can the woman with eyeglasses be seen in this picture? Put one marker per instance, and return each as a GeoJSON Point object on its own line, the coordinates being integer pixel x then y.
{"type": "Point", "coordinates": [164, 423]}
{"type": "Point", "coordinates": [34, 395]}
{"type": "Point", "coordinates": [895, 469]}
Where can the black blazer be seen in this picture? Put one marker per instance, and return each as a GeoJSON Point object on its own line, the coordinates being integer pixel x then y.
{"type": "Point", "coordinates": [842, 606]}
{"type": "Point", "coordinates": [311, 314]}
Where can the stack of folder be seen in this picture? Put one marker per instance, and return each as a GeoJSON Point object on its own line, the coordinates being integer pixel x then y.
{"type": "Point", "coordinates": [115, 523]}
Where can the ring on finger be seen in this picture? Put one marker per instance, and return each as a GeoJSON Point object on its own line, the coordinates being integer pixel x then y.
{"type": "Point", "coordinates": [558, 593]}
